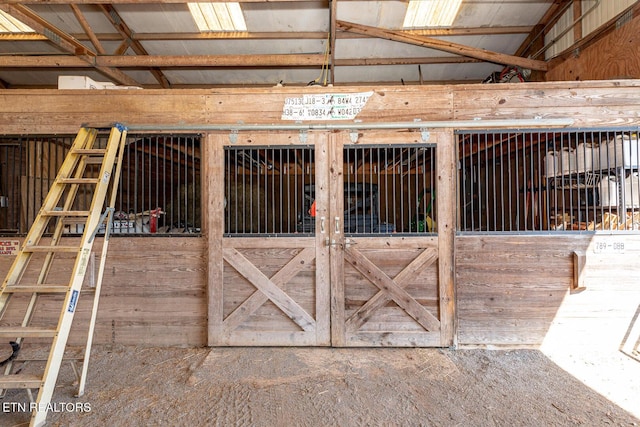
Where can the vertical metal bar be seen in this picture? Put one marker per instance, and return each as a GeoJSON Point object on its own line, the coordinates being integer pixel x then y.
{"type": "Point", "coordinates": [462, 143]}
{"type": "Point", "coordinates": [297, 192]}
{"type": "Point", "coordinates": [373, 193]}
{"type": "Point", "coordinates": [419, 193]}
{"type": "Point", "coordinates": [156, 182]}
{"type": "Point", "coordinates": [390, 163]}
{"type": "Point", "coordinates": [284, 173]}
{"type": "Point", "coordinates": [538, 183]}
{"type": "Point", "coordinates": [366, 196]}
{"type": "Point", "coordinates": [386, 186]}
{"type": "Point", "coordinates": [477, 164]}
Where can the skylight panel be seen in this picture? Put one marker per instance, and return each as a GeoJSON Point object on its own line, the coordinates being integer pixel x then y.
{"type": "Point", "coordinates": [9, 24]}
{"type": "Point", "coordinates": [431, 13]}
{"type": "Point", "coordinates": [218, 16]}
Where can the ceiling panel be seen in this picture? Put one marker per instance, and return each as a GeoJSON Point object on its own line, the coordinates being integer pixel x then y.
{"type": "Point", "coordinates": [274, 28]}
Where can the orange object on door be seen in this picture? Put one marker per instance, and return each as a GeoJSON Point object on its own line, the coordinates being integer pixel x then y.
{"type": "Point", "coordinates": [312, 210]}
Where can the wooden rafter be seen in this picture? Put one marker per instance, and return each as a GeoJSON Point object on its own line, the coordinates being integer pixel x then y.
{"type": "Point", "coordinates": [446, 46]}
{"type": "Point", "coordinates": [201, 61]}
{"type": "Point", "coordinates": [164, 61]}
{"type": "Point", "coordinates": [124, 30]}
{"type": "Point", "coordinates": [87, 29]}
{"type": "Point", "coordinates": [300, 35]}
{"type": "Point", "coordinates": [64, 41]}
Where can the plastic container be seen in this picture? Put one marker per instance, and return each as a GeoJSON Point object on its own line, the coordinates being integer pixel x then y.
{"type": "Point", "coordinates": [551, 164]}
{"type": "Point", "coordinates": [619, 152]}
{"type": "Point", "coordinates": [584, 157]}
{"type": "Point", "coordinates": [608, 191]}
{"type": "Point", "coordinates": [568, 161]}
{"type": "Point", "coordinates": [632, 191]}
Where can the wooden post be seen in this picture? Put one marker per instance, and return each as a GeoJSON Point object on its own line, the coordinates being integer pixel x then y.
{"type": "Point", "coordinates": [213, 223]}
{"type": "Point", "coordinates": [323, 266]}
{"type": "Point", "coordinates": [446, 219]}
{"type": "Point", "coordinates": [336, 209]}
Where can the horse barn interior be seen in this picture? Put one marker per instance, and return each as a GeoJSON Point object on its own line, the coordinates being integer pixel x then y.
{"type": "Point", "coordinates": [466, 186]}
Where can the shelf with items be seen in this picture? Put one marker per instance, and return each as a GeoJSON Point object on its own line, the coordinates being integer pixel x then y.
{"type": "Point", "coordinates": [594, 183]}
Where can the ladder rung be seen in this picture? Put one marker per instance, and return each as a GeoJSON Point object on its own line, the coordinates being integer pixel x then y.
{"type": "Point", "coordinates": [90, 151]}
{"type": "Point", "coordinates": [55, 248]}
{"type": "Point", "coordinates": [26, 332]}
{"type": "Point", "coordinates": [93, 161]}
{"type": "Point", "coordinates": [79, 180]}
{"type": "Point", "coordinates": [20, 381]}
{"type": "Point", "coordinates": [41, 289]}
{"type": "Point", "coordinates": [65, 213]}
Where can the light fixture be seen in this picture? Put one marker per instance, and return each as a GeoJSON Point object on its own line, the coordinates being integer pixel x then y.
{"type": "Point", "coordinates": [9, 24]}
{"type": "Point", "coordinates": [431, 13]}
{"type": "Point", "coordinates": [218, 16]}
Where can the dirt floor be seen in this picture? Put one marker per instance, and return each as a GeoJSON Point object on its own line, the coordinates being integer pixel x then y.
{"type": "Point", "coordinates": [132, 386]}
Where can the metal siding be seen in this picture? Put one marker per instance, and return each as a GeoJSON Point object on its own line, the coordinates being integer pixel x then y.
{"type": "Point", "coordinates": [563, 42]}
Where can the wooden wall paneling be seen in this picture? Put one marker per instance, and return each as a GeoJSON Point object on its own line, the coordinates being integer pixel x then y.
{"type": "Point", "coordinates": [609, 56]}
{"type": "Point", "coordinates": [67, 111]}
{"type": "Point", "coordinates": [213, 209]}
{"type": "Point", "coordinates": [153, 293]}
{"type": "Point", "coordinates": [589, 103]}
{"type": "Point", "coordinates": [513, 289]}
{"type": "Point", "coordinates": [600, 104]}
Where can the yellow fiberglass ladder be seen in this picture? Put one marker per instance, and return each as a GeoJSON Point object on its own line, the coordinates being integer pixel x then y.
{"type": "Point", "coordinates": [87, 169]}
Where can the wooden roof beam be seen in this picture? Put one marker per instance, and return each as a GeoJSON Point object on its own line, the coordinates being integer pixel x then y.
{"type": "Point", "coordinates": [213, 61]}
{"type": "Point", "coordinates": [296, 35]}
{"type": "Point", "coordinates": [64, 41]}
{"type": "Point", "coordinates": [118, 23]}
{"type": "Point", "coordinates": [446, 46]}
{"type": "Point", "coordinates": [87, 29]}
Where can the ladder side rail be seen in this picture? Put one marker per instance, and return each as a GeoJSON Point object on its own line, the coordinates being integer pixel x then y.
{"type": "Point", "coordinates": [69, 306]}
{"type": "Point", "coordinates": [103, 260]}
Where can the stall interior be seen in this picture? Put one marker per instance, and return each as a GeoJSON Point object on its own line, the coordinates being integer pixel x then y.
{"type": "Point", "coordinates": [543, 180]}
{"type": "Point", "coordinates": [387, 189]}
{"type": "Point", "coordinates": [159, 190]}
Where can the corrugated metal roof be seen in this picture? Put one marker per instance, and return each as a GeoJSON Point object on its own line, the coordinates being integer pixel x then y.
{"type": "Point", "coordinates": [166, 34]}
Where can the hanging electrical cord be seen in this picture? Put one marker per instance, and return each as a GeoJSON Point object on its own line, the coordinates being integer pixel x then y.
{"type": "Point", "coordinates": [324, 73]}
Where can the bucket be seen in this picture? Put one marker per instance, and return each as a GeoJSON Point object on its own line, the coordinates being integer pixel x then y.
{"type": "Point", "coordinates": [551, 164]}
{"type": "Point", "coordinates": [608, 191]}
{"type": "Point", "coordinates": [632, 191]}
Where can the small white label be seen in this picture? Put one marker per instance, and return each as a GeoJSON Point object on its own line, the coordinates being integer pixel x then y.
{"type": "Point", "coordinates": [330, 106]}
{"type": "Point", "coordinates": [608, 247]}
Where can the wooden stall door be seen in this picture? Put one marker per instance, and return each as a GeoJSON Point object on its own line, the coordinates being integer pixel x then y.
{"type": "Point", "coordinates": [392, 284]}
{"type": "Point", "coordinates": [269, 280]}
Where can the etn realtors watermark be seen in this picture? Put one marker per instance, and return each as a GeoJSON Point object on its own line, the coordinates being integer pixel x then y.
{"type": "Point", "coordinates": [49, 407]}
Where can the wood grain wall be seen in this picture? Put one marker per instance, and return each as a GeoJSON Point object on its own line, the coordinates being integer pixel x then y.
{"type": "Point", "coordinates": [509, 288]}
{"type": "Point", "coordinates": [602, 103]}
{"type": "Point", "coordinates": [153, 293]}
{"type": "Point", "coordinates": [613, 55]}
{"type": "Point", "coordinates": [513, 289]}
